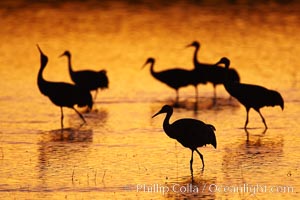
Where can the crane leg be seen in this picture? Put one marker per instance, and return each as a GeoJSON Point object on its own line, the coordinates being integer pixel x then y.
{"type": "Point", "coordinates": [196, 93]}
{"type": "Point", "coordinates": [215, 93]}
{"type": "Point", "coordinates": [96, 94]}
{"type": "Point", "coordinates": [80, 115]}
{"type": "Point", "coordinates": [201, 156]}
{"type": "Point", "coordinates": [215, 96]}
{"type": "Point", "coordinates": [247, 118]}
{"type": "Point", "coordinates": [191, 163]}
{"type": "Point", "coordinates": [263, 119]}
{"type": "Point", "coordinates": [62, 118]}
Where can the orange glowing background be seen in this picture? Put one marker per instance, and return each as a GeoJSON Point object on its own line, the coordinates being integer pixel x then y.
{"type": "Point", "coordinates": [121, 147]}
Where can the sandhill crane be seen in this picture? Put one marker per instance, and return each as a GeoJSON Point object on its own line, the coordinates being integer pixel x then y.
{"type": "Point", "coordinates": [63, 94]}
{"type": "Point", "coordinates": [191, 133]}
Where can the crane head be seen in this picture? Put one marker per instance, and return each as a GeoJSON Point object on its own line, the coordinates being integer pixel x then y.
{"type": "Point", "coordinates": [164, 109]}
{"type": "Point", "coordinates": [224, 61]}
{"type": "Point", "coordinates": [44, 58]}
{"type": "Point", "coordinates": [40, 50]}
{"type": "Point", "coordinates": [193, 44]}
{"type": "Point", "coordinates": [149, 60]}
{"type": "Point", "coordinates": [66, 53]}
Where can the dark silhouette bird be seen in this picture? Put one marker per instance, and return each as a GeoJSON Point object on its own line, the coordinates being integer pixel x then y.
{"type": "Point", "coordinates": [191, 133]}
{"type": "Point", "coordinates": [174, 78]}
{"type": "Point", "coordinates": [87, 79]}
{"type": "Point", "coordinates": [211, 72]}
{"type": "Point", "coordinates": [251, 96]}
{"type": "Point", "coordinates": [63, 94]}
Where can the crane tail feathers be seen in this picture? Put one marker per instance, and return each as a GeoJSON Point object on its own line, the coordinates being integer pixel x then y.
{"type": "Point", "coordinates": [214, 142]}
{"type": "Point", "coordinates": [212, 136]}
{"type": "Point", "coordinates": [276, 99]}
{"type": "Point", "coordinates": [211, 126]}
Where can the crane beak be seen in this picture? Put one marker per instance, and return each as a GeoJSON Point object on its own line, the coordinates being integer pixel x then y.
{"type": "Point", "coordinates": [189, 45]}
{"type": "Point", "coordinates": [157, 114]}
{"type": "Point", "coordinates": [39, 48]}
{"type": "Point", "coordinates": [217, 63]}
{"type": "Point", "coordinates": [144, 65]}
{"type": "Point", "coordinates": [61, 55]}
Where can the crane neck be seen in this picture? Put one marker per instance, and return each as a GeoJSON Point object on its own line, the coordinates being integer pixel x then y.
{"type": "Point", "coordinates": [42, 83]}
{"type": "Point", "coordinates": [195, 60]}
{"type": "Point", "coordinates": [167, 126]}
{"type": "Point", "coordinates": [40, 75]}
{"type": "Point", "coordinates": [152, 69]}
{"type": "Point", "coordinates": [227, 83]}
{"type": "Point", "coordinates": [70, 64]}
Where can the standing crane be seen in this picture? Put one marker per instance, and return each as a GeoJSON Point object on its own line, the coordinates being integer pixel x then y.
{"type": "Point", "coordinates": [251, 96]}
{"type": "Point", "coordinates": [191, 133]}
{"type": "Point", "coordinates": [63, 94]}
{"type": "Point", "coordinates": [210, 72]}
{"type": "Point", "coordinates": [87, 79]}
{"type": "Point", "coordinates": [174, 78]}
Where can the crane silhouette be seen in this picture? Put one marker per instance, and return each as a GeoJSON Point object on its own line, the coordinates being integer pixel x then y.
{"type": "Point", "coordinates": [251, 96]}
{"type": "Point", "coordinates": [63, 94]}
{"type": "Point", "coordinates": [87, 79]}
{"type": "Point", "coordinates": [191, 133]}
{"type": "Point", "coordinates": [174, 78]}
{"type": "Point", "coordinates": [211, 72]}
